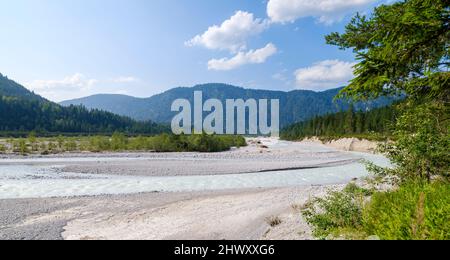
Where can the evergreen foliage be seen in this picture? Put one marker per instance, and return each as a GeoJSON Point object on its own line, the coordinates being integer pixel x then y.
{"type": "Point", "coordinates": [371, 124]}
{"type": "Point", "coordinates": [24, 111]}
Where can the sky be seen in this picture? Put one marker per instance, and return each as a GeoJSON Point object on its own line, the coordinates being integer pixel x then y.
{"type": "Point", "coordinates": [65, 49]}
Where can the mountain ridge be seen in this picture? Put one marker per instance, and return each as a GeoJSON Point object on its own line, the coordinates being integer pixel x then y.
{"type": "Point", "coordinates": [10, 88]}
{"type": "Point", "coordinates": [21, 110]}
{"type": "Point", "coordinates": [295, 105]}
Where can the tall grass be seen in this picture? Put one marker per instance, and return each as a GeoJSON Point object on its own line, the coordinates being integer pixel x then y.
{"type": "Point", "coordinates": [414, 211]}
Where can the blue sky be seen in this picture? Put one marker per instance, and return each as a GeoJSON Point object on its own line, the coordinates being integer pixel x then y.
{"type": "Point", "coordinates": [66, 49]}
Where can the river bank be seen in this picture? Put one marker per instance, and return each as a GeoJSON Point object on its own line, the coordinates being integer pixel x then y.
{"type": "Point", "coordinates": [162, 195]}
{"type": "Point", "coordinates": [348, 144]}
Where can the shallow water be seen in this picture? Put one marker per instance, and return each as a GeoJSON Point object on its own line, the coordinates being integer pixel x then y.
{"type": "Point", "coordinates": [26, 181]}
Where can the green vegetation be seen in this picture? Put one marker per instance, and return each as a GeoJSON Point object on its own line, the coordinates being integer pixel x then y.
{"type": "Point", "coordinates": [120, 142]}
{"type": "Point", "coordinates": [43, 116]}
{"type": "Point", "coordinates": [9, 88]}
{"type": "Point", "coordinates": [422, 144]}
{"type": "Point", "coordinates": [24, 111]}
{"type": "Point", "coordinates": [414, 211]}
{"type": "Point", "coordinates": [337, 213]}
{"type": "Point", "coordinates": [402, 48]}
{"type": "Point", "coordinates": [75, 128]}
{"type": "Point", "coordinates": [2, 148]}
{"type": "Point", "coordinates": [372, 125]}
{"type": "Point", "coordinates": [295, 106]}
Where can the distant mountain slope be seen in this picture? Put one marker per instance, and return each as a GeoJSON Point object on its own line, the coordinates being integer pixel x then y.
{"type": "Point", "coordinates": [118, 104]}
{"type": "Point", "coordinates": [10, 88]}
{"type": "Point", "coordinates": [22, 110]}
{"type": "Point", "coordinates": [295, 106]}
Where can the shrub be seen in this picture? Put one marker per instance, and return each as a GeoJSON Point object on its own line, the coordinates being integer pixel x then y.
{"type": "Point", "coordinates": [194, 143]}
{"type": "Point", "coordinates": [2, 148]}
{"type": "Point", "coordinates": [70, 145]}
{"type": "Point", "coordinates": [33, 141]}
{"type": "Point", "coordinates": [339, 210]}
{"type": "Point", "coordinates": [60, 140]}
{"type": "Point", "coordinates": [161, 143]}
{"type": "Point", "coordinates": [356, 190]}
{"type": "Point", "coordinates": [52, 147]}
{"type": "Point", "coordinates": [118, 142]}
{"type": "Point", "coordinates": [422, 143]}
{"type": "Point", "coordinates": [415, 211]}
{"type": "Point", "coordinates": [23, 147]}
{"type": "Point", "coordinates": [139, 143]}
{"type": "Point", "coordinates": [99, 144]}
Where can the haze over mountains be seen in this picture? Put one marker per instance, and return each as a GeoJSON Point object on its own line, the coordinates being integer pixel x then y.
{"type": "Point", "coordinates": [295, 106]}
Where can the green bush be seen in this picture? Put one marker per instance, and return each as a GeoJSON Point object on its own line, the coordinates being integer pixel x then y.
{"type": "Point", "coordinates": [60, 140]}
{"type": "Point", "coordinates": [33, 141]}
{"type": "Point", "coordinates": [193, 143]}
{"type": "Point", "coordinates": [2, 148]}
{"type": "Point", "coordinates": [138, 144]}
{"type": "Point", "coordinates": [413, 212]}
{"type": "Point", "coordinates": [337, 212]}
{"type": "Point", "coordinates": [52, 147]}
{"type": "Point", "coordinates": [421, 149]}
{"type": "Point", "coordinates": [23, 147]}
{"type": "Point", "coordinates": [70, 145]}
{"type": "Point", "coordinates": [119, 142]}
{"type": "Point", "coordinates": [99, 144]}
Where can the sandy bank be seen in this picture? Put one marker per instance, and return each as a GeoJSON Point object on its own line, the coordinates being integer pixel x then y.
{"type": "Point", "coordinates": [261, 155]}
{"type": "Point", "coordinates": [217, 214]}
{"type": "Point", "coordinates": [349, 144]}
{"type": "Point", "coordinates": [232, 215]}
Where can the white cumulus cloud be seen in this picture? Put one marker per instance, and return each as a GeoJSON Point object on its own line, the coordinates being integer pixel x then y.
{"type": "Point", "coordinates": [326, 11]}
{"type": "Point", "coordinates": [242, 58]}
{"type": "Point", "coordinates": [75, 82]}
{"type": "Point", "coordinates": [78, 85]}
{"type": "Point", "coordinates": [325, 75]}
{"type": "Point", "coordinates": [232, 34]}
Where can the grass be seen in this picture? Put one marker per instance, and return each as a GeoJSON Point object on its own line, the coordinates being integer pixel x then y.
{"type": "Point", "coordinates": [120, 143]}
{"type": "Point", "coordinates": [414, 211]}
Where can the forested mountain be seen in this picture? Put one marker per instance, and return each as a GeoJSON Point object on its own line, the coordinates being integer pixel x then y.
{"type": "Point", "coordinates": [22, 110]}
{"type": "Point", "coordinates": [348, 123]}
{"type": "Point", "coordinates": [9, 88]}
{"type": "Point", "coordinates": [295, 106]}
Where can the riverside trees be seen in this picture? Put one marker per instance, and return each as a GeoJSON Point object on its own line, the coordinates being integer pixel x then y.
{"type": "Point", "coordinates": [403, 48]}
